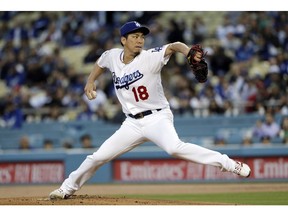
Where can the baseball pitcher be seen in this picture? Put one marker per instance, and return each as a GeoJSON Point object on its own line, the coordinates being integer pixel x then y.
{"type": "Point", "coordinates": [136, 76]}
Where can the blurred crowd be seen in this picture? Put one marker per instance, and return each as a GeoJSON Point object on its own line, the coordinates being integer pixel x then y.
{"type": "Point", "coordinates": [247, 58]}
{"type": "Point", "coordinates": [85, 142]}
{"type": "Point", "coordinates": [266, 131]}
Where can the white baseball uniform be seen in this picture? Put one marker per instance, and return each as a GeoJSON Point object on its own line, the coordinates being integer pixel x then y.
{"type": "Point", "coordinates": [139, 89]}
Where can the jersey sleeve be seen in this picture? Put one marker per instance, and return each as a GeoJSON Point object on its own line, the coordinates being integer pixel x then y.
{"type": "Point", "coordinates": [103, 61]}
{"type": "Point", "coordinates": [156, 57]}
{"type": "Point", "coordinates": [165, 59]}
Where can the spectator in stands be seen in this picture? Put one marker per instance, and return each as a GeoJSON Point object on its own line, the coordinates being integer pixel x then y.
{"type": "Point", "coordinates": [220, 62]}
{"type": "Point", "coordinates": [15, 76]}
{"type": "Point", "coordinates": [225, 27]}
{"type": "Point", "coordinates": [215, 108]}
{"type": "Point", "coordinates": [4, 30]}
{"type": "Point", "coordinates": [67, 143]}
{"type": "Point", "coordinates": [199, 30]}
{"type": "Point", "coordinates": [36, 71]}
{"type": "Point", "coordinates": [85, 113]}
{"type": "Point", "coordinates": [245, 51]}
{"type": "Point", "coordinates": [257, 129]}
{"type": "Point", "coordinates": [284, 104]}
{"type": "Point", "coordinates": [111, 111]}
{"type": "Point", "coordinates": [48, 144]}
{"type": "Point", "coordinates": [247, 140]}
{"type": "Point", "coordinates": [269, 127]}
{"type": "Point", "coordinates": [184, 96]}
{"type": "Point", "coordinates": [248, 95]}
{"type": "Point", "coordinates": [284, 129]}
{"type": "Point", "coordinates": [51, 34]}
{"type": "Point", "coordinates": [54, 114]}
{"type": "Point", "coordinates": [229, 109]}
{"type": "Point", "coordinates": [211, 100]}
{"type": "Point", "coordinates": [18, 32]}
{"type": "Point", "coordinates": [157, 34]}
{"type": "Point", "coordinates": [176, 31]}
{"type": "Point", "coordinates": [24, 143]}
{"type": "Point", "coordinates": [219, 141]}
{"type": "Point", "coordinates": [285, 141]}
{"type": "Point", "coordinates": [91, 23]}
{"type": "Point", "coordinates": [41, 23]}
{"type": "Point", "coordinates": [266, 140]}
{"type": "Point", "coordinates": [93, 53]}
{"type": "Point", "coordinates": [12, 117]}
{"type": "Point", "coordinates": [86, 141]}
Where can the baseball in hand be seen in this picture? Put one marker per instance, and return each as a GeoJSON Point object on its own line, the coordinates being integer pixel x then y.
{"type": "Point", "coordinates": [91, 95]}
{"type": "Point", "coordinates": [94, 94]}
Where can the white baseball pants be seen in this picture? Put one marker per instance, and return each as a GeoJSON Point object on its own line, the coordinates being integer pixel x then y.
{"type": "Point", "coordinates": [158, 128]}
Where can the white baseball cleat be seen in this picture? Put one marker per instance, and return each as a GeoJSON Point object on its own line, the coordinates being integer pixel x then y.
{"type": "Point", "coordinates": [242, 169]}
{"type": "Point", "coordinates": [58, 194]}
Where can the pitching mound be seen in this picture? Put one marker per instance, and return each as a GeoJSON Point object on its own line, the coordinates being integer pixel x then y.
{"type": "Point", "coordinates": [117, 194]}
{"type": "Point", "coordinates": [93, 200]}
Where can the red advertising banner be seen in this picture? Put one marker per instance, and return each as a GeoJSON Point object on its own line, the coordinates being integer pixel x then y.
{"type": "Point", "coordinates": [269, 168]}
{"type": "Point", "coordinates": [31, 172]}
{"type": "Point", "coordinates": [176, 169]}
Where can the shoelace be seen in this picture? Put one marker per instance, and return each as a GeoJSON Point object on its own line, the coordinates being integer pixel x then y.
{"type": "Point", "coordinates": [61, 191]}
{"type": "Point", "coordinates": [237, 168]}
{"type": "Point", "coordinates": [65, 196]}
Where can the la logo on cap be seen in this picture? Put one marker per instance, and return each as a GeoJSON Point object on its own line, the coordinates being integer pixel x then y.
{"type": "Point", "coordinates": [132, 27]}
{"type": "Point", "coordinates": [137, 24]}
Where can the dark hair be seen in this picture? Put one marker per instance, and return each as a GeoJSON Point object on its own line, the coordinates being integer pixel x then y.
{"type": "Point", "coordinates": [126, 36]}
{"type": "Point", "coordinates": [265, 137]}
{"type": "Point", "coordinates": [47, 141]}
{"type": "Point", "coordinates": [85, 136]}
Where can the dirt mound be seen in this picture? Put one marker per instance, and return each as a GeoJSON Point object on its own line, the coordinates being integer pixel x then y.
{"type": "Point", "coordinates": [93, 200]}
{"type": "Point", "coordinates": [117, 194]}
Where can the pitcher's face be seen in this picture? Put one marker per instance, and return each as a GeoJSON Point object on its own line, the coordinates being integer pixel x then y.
{"type": "Point", "coordinates": [134, 42]}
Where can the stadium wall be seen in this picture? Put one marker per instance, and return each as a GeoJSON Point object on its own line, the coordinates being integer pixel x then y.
{"type": "Point", "coordinates": [147, 164]}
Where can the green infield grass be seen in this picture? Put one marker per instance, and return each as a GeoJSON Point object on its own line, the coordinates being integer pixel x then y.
{"type": "Point", "coordinates": [253, 198]}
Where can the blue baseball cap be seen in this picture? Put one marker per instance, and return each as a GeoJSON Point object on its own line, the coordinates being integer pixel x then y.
{"type": "Point", "coordinates": [132, 27]}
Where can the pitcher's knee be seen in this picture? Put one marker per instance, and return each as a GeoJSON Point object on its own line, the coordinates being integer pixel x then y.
{"type": "Point", "coordinates": [98, 159]}
{"type": "Point", "coordinates": [174, 150]}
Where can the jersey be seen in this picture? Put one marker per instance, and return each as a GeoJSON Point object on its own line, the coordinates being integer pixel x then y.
{"type": "Point", "coordinates": [137, 84]}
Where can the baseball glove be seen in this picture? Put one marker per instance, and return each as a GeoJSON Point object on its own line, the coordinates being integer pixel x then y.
{"type": "Point", "coordinates": [200, 69]}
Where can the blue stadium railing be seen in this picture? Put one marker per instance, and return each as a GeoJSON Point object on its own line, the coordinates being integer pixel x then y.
{"type": "Point", "coordinates": [197, 130]}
